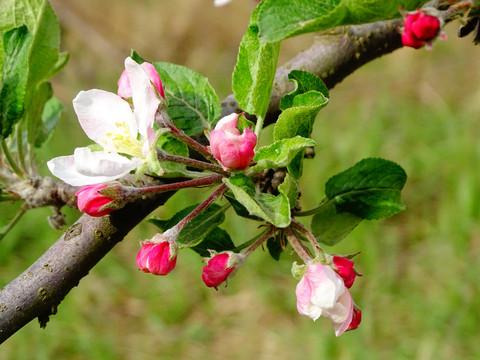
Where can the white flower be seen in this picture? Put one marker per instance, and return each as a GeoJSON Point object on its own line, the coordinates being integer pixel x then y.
{"type": "Point", "coordinates": [110, 121]}
{"type": "Point", "coordinates": [322, 292]}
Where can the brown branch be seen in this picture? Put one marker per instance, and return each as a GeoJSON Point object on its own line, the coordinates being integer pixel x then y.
{"type": "Point", "coordinates": [334, 55]}
{"type": "Point", "coordinates": [40, 289]}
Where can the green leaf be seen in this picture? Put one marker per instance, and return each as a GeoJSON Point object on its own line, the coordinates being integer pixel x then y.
{"type": "Point", "coordinates": [217, 240]}
{"type": "Point", "coordinates": [280, 19]}
{"type": "Point", "coordinates": [193, 105]}
{"type": "Point", "coordinates": [13, 90]}
{"type": "Point", "coordinates": [239, 209]}
{"type": "Point", "coordinates": [255, 70]}
{"type": "Point", "coordinates": [290, 189]}
{"type": "Point", "coordinates": [35, 123]}
{"type": "Point", "coordinates": [273, 209]}
{"type": "Point", "coordinates": [280, 153]}
{"type": "Point", "coordinates": [172, 146]}
{"type": "Point", "coordinates": [300, 109]}
{"type": "Point", "coordinates": [275, 247]}
{"type": "Point", "coordinates": [330, 226]}
{"type": "Point", "coordinates": [198, 228]}
{"type": "Point", "coordinates": [370, 189]}
{"type": "Point", "coordinates": [51, 114]}
{"type": "Point", "coordinates": [304, 82]}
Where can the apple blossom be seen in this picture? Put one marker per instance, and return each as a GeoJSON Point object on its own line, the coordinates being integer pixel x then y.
{"type": "Point", "coordinates": [321, 292]}
{"type": "Point", "coordinates": [110, 121]}
{"type": "Point", "coordinates": [91, 202]}
{"type": "Point", "coordinates": [420, 29]}
{"type": "Point", "coordinates": [232, 149]}
{"type": "Point", "coordinates": [157, 258]}
{"type": "Point", "coordinates": [124, 88]}
{"type": "Point", "coordinates": [345, 270]}
{"type": "Point", "coordinates": [219, 267]}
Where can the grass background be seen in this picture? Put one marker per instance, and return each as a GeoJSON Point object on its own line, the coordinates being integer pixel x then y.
{"type": "Point", "coordinates": [420, 289]}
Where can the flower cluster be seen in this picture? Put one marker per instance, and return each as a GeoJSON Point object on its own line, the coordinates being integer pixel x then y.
{"type": "Point", "coordinates": [322, 291]}
{"type": "Point", "coordinates": [420, 29]}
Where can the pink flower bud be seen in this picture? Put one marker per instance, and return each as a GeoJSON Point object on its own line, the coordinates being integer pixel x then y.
{"type": "Point", "coordinates": [321, 292]}
{"type": "Point", "coordinates": [219, 267]}
{"type": "Point", "coordinates": [420, 28]}
{"type": "Point", "coordinates": [157, 258]}
{"type": "Point", "coordinates": [124, 89]}
{"type": "Point", "coordinates": [91, 202]}
{"type": "Point", "coordinates": [356, 319]}
{"type": "Point", "coordinates": [234, 150]}
{"type": "Point", "coordinates": [345, 270]}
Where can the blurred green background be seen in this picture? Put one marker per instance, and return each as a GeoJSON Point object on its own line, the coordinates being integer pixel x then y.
{"type": "Point", "coordinates": [420, 290]}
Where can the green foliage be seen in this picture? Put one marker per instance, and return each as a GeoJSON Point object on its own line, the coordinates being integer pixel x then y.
{"type": "Point", "coordinates": [172, 146]}
{"type": "Point", "coordinates": [15, 76]}
{"type": "Point", "coordinates": [273, 209]}
{"type": "Point", "coordinates": [29, 55]}
{"type": "Point", "coordinates": [51, 114]}
{"type": "Point", "coordinates": [193, 105]}
{"type": "Point", "coordinates": [280, 153]}
{"type": "Point", "coordinates": [275, 247]}
{"type": "Point", "coordinates": [299, 111]}
{"type": "Point", "coordinates": [330, 225]}
{"type": "Point", "coordinates": [281, 19]}
{"type": "Point", "coordinates": [255, 70]}
{"type": "Point", "coordinates": [200, 229]}
{"type": "Point", "coordinates": [370, 189]}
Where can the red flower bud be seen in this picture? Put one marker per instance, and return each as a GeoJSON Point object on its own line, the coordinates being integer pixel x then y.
{"type": "Point", "coordinates": [356, 319]}
{"type": "Point", "coordinates": [420, 28]}
{"type": "Point", "coordinates": [345, 270]}
{"type": "Point", "coordinates": [91, 202]}
{"type": "Point", "coordinates": [219, 267]}
{"type": "Point", "coordinates": [157, 258]}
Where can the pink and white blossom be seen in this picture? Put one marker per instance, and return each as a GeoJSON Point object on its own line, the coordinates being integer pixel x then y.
{"type": "Point", "coordinates": [111, 122]}
{"type": "Point", "coordinates": [322, 292]}
{"type": "Point", "coordinates": [232, 149]}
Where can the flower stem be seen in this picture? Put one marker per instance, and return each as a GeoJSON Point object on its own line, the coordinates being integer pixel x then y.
{"type": "Point", "coordinates": [201, 207]}
{"type": "Point", "coordinates": [21, 154]}
{"type": "Point", "coordinates": [4, 231]}
{"type": "Point", "coordinates": [11, 161]}
{"type": "Point", "coordinates": [259, 127]}
{"type": "Point", "coordinates": [298, 247]}
{"type": "Point", "coordinates": [202, 150]}
{"type": "Point", "coordinates": [316, 246]}
{"type": "Point", "coordinates": [260, 241]}
{"type": "Point", "coordinates": [208, 180]}
{"type": "Point", "coordinates": [164, 156]}
{"type": "Point", "coordinates": [314, 210]}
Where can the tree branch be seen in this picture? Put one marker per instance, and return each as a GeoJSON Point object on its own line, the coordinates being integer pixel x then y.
{"type": "Point", "coordinates": [335, 54]}
{"type": "Point", "coordinates": [40, 289]}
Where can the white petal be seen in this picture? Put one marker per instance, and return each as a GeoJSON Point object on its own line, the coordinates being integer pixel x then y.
{"type": "Point", "coordinates": [221, 2]}
{"type": "Point", "coordinates": [99, 113]}
{"type": "Point", "coordinates": [87, 168]}
{"type": "Point", "coordinates": [145, 101]}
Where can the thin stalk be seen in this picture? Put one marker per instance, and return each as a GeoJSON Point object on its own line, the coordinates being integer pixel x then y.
{"type": "Point", "coordinates": [180, 135]}
{"type": "Point", "coordinates": [260, 241]}
{"type": "Point", "coordinates": [11, 161]}
{"type": "Point", "coordinates": [312, 211]}
{"type": "Point", "coordinates": [164, 156]}
{"type": "Point", "coordinates": [4, 231]}
{"type": "Point", "coordinates": [298, 247]}
{"type": "Point", "coordinates": [316, 246]}
{"type": "Point", "coordinates": [201, 207]}
{"type": "Point", "coordinates": [21, 154]}
{"type": "Point", "coordinates": [249, 242]}
{"type": "Point", "coordinates": [208, 180]}
{"type": "Point", "coordinates": [259, 127]}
